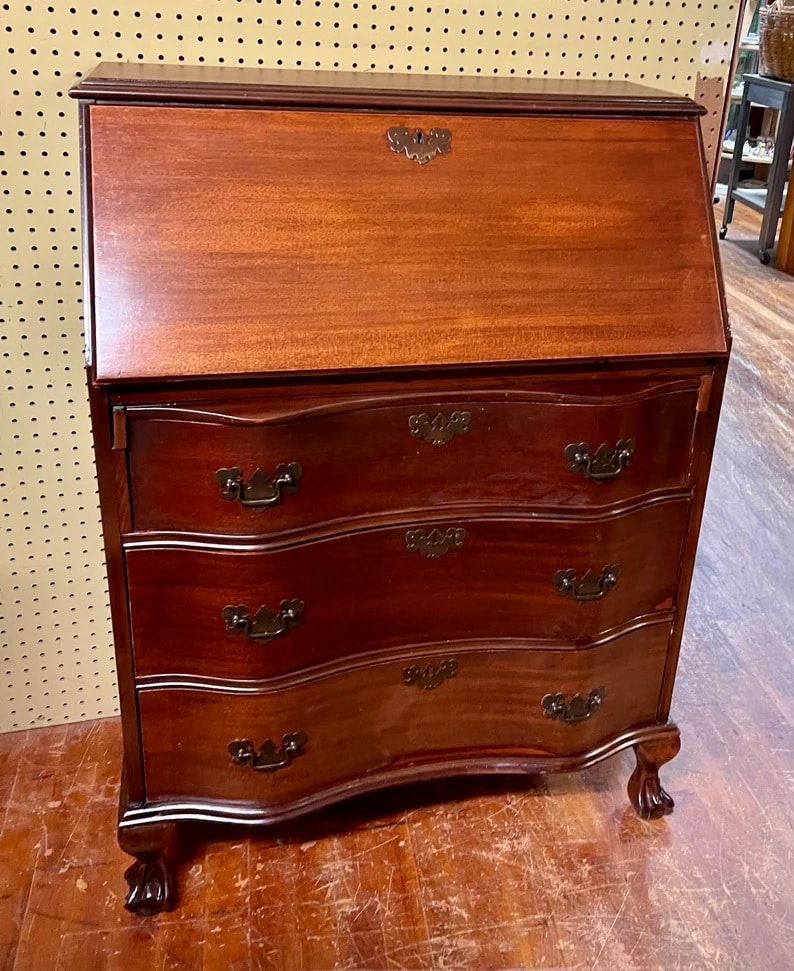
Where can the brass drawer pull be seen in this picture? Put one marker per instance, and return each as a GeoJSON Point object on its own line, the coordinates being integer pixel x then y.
{"type": "Point", "coordinates": [265, 625]}
{"type": "Point", "coordinates": [261, 490]}
{"type": "Point", "coordinates": [578, 709]}
{"type": "Point", "coordinates": [435, 543]}
{"type": "Point", "coordinates": [268, 758]}
{"type": "Point", "coordinates": [439, 430]}
{"type": "Point", "coordinates": [420, 146]}
{"type": "Point", "coordinates": [431, 676]}
{"type": "Point", "coordinates": [592, 586]}
{"type": "Point", "coordinates": [604, 463]}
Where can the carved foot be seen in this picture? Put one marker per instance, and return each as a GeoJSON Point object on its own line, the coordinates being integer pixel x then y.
{"type": "Point", "coordinates": [150, 877]}
{"type": "Point", "coordinates": [645, 790]}
{"type": "Point", "coordinates": [151, 887]}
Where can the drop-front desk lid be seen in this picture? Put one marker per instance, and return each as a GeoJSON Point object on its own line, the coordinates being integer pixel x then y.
{"type": "Point", "coordinates": [244, 221]}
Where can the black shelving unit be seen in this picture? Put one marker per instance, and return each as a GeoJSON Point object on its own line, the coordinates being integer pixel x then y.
{"type": "Point", "coordinates": [768, 93]}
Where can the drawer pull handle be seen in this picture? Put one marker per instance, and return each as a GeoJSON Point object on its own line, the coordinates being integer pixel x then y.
{"type": "Point", "coordinates": [592, 586]}
{"type": "Point", "coordinates": [268, 758]}
{"type": "Point", "coordinates": [420, 146]}
{"type": "Point", "coordinates": [431, 676]}
{"type": "Point", "coordinates": [439, 430]}
{"type": "Point", "coordinates": [265, 625]}
{"type": "Point", "coordinates": [435, 543]}
{"type": "Point", "coordinates": [604, 463]}
{"type": "Point", "coordinates": [262, 490]}
{"type": "Point", "coordinates": [578, 709]}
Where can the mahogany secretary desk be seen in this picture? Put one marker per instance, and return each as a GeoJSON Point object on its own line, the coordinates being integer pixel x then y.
{"type": "Point", "coordinates": [404, 393]}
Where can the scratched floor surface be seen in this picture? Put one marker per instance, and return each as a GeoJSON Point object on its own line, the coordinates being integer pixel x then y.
{"type": "Point", "coordinates": [494, 873]}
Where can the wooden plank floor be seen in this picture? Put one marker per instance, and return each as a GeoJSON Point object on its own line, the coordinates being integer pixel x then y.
{"type": "Point", "coordinates": [520, 873]}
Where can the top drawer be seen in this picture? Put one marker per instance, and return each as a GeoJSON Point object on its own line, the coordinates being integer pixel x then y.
{"type": "Point", "coordinates": [195, 469]}
{"type": "Point", "coordinates": [239, 241]}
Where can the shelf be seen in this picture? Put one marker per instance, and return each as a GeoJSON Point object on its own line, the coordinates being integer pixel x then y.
{"type": "Point", "coordinates": [737, 98]}
{"type": "Point", "coordinates": [750, 159]}
{"type": "Point", "coordinates": [756, 198]}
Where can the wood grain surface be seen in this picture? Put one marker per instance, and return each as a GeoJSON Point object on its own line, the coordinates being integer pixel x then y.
{"type": "Point", "coordinates": [209, 83]}
{"type": "Point", "coordinates": [369, 721]}
{"type": "Point", "coordinates": [366, 591]}
{"type": "Point", "coordinates": [360, 458]}
{"type": "Point", "coordinates": [307, 244]}
{"type": "Point", "coordinates": [488, 873]}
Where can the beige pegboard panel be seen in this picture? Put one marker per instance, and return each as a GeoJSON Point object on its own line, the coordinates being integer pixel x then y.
{"type": "Point", "coordinates": [54, 627]}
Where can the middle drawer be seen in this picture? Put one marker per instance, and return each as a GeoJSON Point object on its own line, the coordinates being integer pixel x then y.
{"type": "Point", "coordinates": [258, 614]}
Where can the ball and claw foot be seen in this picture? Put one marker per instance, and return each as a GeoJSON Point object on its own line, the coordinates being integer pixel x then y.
{"type": "Point", "coordinates": [150, 878]}
{"type": "Point", "coordinates": [151, 887]}
{"type": "Point", "coordinates": [723, 232]}
{"type": "Point", "coordinates": [649, 799]}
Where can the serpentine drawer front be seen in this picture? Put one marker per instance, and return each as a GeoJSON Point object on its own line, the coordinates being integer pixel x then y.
{"type": "Point", "coordinates": [429, 582]}
{"type": "Point", "coordinates": [568, 450]}
{"type": "Point", "coordinates": [492, 704]}
{"type": "Point", "coordinates": [403, 430]}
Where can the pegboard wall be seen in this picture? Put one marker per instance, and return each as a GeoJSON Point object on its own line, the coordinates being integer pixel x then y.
{"type": "Point", "coordinates": [57, 662]}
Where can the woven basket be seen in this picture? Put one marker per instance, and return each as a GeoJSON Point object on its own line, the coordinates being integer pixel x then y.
{"type": "Point", "coordinates": [776, 40]}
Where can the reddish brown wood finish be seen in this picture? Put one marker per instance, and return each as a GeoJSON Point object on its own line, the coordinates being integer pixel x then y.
{"type": "Point", "coordinates": [151, 885]}
{"type": "Point", "coordinates": [282, 87]}
{"type": "Point", "coordinates": [271, 395]}
{"type": "Point", "coordinates": [359, 457]}
{"type": "Point", "coordinates": [483, 873]}
{"type": "Point", "coordinates": [644, 788]}
{"type": "Point", "coordinates": [703, 451]}
{"type": "Point", "coordinates": [307, 244]}
{"type": "Point", "coordinates": [271, 285]}
{"type": "Point", "coordinates": [368, 720]}
{"type": "Point", "coordinates": [111, 479]}
{"type": "Point", "coordinates": [366, 592]}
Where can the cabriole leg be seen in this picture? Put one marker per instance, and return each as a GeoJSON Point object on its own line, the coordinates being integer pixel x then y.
{"type": "Point", "coordinates": [150, 878]}
{"type": "Point", "coordinates": [645, 790]}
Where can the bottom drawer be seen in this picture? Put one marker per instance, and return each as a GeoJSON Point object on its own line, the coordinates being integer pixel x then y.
{"type": "Point", "coordinates": [369, 720]}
